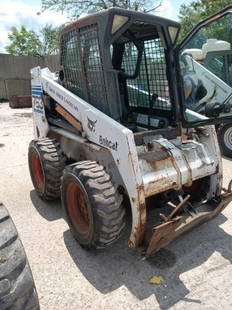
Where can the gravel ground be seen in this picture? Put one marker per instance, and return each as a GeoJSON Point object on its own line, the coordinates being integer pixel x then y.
{"type": "Point", "coordinates": [196, 268]}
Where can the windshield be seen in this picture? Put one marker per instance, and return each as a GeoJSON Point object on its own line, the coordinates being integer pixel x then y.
{"type": "Point", "coordinates": [150, 88]}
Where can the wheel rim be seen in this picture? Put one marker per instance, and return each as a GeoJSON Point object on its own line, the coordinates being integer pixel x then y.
{"type": "Point", "coordinates": [77, 208]}
{"type": "Point", "coordinates": [228, 138]}
{"type": "Point", "coordinates": [37, 170]}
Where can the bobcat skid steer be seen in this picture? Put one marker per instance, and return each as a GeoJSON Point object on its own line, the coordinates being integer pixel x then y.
{"type": "Point", "coordinates": [113, 126]}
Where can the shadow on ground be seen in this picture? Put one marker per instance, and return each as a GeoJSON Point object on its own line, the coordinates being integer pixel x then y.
{"type": "Point", "coordinates": [51, 210]}
{"type": "Point", "coordinates": [109, 269]}
{"type": "Point", "coordinates": [118, 266]}
{"type": "Point", "coordinates": [227, 158]}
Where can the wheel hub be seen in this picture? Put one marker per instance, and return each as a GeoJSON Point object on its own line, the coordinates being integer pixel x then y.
{"type": "Point", "coordinates": [37, 169]}
{"type": "Point", "coordinates": [77, 208]}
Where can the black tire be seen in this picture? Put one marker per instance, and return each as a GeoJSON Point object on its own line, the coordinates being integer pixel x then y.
{"type": "Point", "coordinates": [17, 288]}
{"type": "Point", "coordinates": [93, 207]}
{"type": "Point", "coordinates": [46, 164]}
{"type": "Point", "coordinates": [225, 139]}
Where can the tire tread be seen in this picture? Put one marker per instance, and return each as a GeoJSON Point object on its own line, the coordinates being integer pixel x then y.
{"type": "Point", "coordinates": [53, 163]}
{"type": "Point", "coordinates": [17, 289]}
{"type": "Point", "coordinates": [106, 202]}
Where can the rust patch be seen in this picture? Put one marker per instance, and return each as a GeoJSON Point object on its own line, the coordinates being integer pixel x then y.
{"type": "Point", "coordinates": [69, 117]}
{"type": "Point", "coordinates": [213, 18]}
{"type": "Point", "coordinates": [140, 190]}
{"type": "Point", "coordinates": [139, 230]}
{"type": "Point", "coordinates": [130, 159]}
{"type": "Point", "coordinates": [155, 156]}
{"type": "Point", "coordinates": [173, 160]}
{"type": "Point", "coordinates": [164, 233]}
{"type": "Point", "coordinates": [153, 188]}
{"type": "Point", "coordinates": [189, 183]}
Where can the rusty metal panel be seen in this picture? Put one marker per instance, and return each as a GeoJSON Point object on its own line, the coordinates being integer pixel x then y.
{"type": "Point", "coordinates": [170, 164]}
{"type": "Point", "coordinates": [166, 232]}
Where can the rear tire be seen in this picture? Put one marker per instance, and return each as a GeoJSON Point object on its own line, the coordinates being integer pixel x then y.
{"type": "Point", "coordinates": [225, 139]}
{"type": "Point", "coordinates": [17, 288]}
{"type": "Point", "coordinates": [46, 164]}
{"type": "Point", "coordinates": [92, 205]}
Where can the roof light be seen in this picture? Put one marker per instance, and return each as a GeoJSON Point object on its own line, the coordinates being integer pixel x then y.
{"type": "Point", "coordinates": [118, 22]}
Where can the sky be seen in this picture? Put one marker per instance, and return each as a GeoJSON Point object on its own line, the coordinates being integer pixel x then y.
{"type": "Point", "coordinates": [24, 12]}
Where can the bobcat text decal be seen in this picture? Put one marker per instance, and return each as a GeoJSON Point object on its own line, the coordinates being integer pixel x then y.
{"type": "Point", "coordinates": [108, 143]}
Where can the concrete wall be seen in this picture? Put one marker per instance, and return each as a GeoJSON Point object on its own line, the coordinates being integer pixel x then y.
{"type": "Point", "coordinates": [15, 72]}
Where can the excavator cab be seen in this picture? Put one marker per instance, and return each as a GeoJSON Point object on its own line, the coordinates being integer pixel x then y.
{"type": "Point", "coordinates": [206, 52]}
{"type": "Point", "coordinates": [208, 72]}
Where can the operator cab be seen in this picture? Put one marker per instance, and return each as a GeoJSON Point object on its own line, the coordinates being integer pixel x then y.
{"type": "Point", "coordinates": [139, 58]}
{"type": "Point", "coordinates": [120, 62]}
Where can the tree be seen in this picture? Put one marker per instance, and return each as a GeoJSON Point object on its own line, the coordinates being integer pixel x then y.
{"type": "Point", "coordinates": [49, 40]}
{"type": "Point", "coordinates": [76, 7]}
{"type": "Point", "coordinates": [27, 42]}
{"type": "Point", "coordinates": [198, 10]}
{"type": "Point", "coordinates": [23, 42]}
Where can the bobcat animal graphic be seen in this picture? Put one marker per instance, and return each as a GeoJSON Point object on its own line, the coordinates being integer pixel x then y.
{"type": "Point", "coordinates": [91, 124]}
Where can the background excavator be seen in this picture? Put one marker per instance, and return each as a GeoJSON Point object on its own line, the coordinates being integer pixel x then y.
{"type": "Point", "coordinates": [210, 67]}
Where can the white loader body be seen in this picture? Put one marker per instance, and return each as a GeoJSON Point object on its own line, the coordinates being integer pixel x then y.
{"type": "Point", "coordinates": [141, 169]}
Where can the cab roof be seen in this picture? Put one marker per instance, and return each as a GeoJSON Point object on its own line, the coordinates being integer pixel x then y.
{"type": "Point", "coordinates": [109, 13]}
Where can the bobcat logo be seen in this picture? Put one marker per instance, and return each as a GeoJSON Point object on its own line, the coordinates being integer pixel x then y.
{"type": "Point", "coordinates": [91, 124]}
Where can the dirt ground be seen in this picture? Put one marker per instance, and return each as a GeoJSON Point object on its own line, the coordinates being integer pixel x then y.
{"type": "Point", "coordinates": [197, 268]}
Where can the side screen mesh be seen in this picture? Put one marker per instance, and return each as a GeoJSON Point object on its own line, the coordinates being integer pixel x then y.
{"type": "Point", "coordinates": [93, 66]}
{"type": "Point", "coordinates": [82, 64]}
{"type": "Point", "coordinates": [71, 61]}
{"type": "Point", "coordinates": [150, 88]}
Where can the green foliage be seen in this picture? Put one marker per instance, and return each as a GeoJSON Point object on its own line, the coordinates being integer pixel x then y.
{"type": "Point", "coordinates": [198, 10]}
{"type": "Point", "coordinates": [76, 7]}
{"type": "Point", "coordinates": [26, 42]}
{"type": "Point", "coordinates": [219, 29]}
{"type": "Point", "coordinates": [50, 40]}
{"type": "Point", "coordinates": [23, 42]}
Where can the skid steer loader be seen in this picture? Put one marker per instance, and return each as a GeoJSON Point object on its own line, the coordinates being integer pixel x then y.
{"type": "Point", "coordinates": [114, 125]}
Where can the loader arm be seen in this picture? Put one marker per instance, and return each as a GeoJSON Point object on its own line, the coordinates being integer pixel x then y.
{"type": "Point", "coordinates": [101, 130]}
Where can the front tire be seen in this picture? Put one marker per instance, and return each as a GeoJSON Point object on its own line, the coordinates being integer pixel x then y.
{"type": "Point", "coordinates": [92, 205]}
{"type": "Point", "coordinates": [46, 164]}
{"type": "Point", "coordinates": [225, 139]}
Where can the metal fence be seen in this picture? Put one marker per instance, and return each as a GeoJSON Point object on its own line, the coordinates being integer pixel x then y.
{"type": "Point", "coordinates": [15, 73]}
